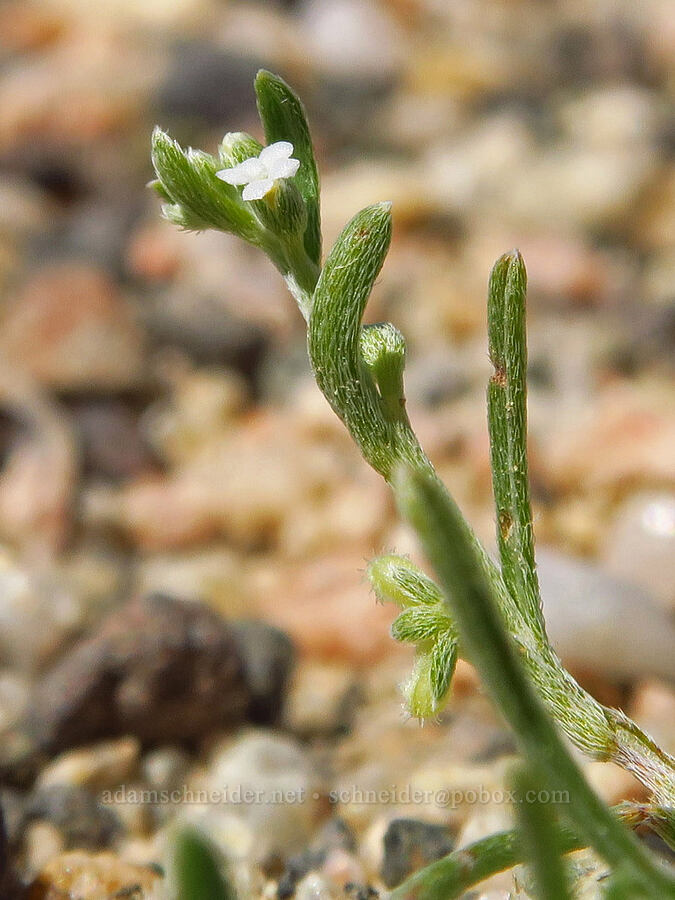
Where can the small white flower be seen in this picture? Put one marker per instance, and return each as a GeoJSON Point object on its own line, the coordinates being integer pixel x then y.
{"type": "Point", "coordinates": [260, 172]}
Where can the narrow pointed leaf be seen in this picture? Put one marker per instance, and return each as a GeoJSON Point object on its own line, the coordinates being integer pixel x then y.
{"type": "Point", "coordinates": [507, 419]}
{"type": "Point", "coordinates": [197, 870]}
{"type": "Point", "coordinates": [396, 580]}
{"type": "Point", "coordinates": [283, 118]}
{"type": "Point", "coordinates": [443, 663]}
{"type": "Point", "coordinates": [540, 838]}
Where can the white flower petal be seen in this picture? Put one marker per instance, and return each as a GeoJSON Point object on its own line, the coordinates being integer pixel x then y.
{"type": "Point", "coordinates": [279, 150]}
{"type": "Point", "coordinates": [283, 168]}
{"type": "Point", "coordinates": [256, 190]}
{"type": "Point", "coordinates": [233, 176]}
{"type": "Point", "coordinates": [253, 168]}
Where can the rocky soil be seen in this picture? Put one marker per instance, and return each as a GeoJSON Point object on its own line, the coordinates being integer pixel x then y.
{"type": "Point", "coordinates": [185, 632]}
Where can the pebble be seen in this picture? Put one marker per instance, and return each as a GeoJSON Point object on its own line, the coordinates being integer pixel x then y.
{"type": "Point", "coordinates": [38, 614]}
{"type": "Point", "coordinates": [83, 821]}
{"type": "Point", "coordinates": [268, 656]}
{"type": "Point", "coordinates": [110, 443]}
{"type": "Point", "coordinates": [165, 767]}
{"type": "Point", "coordinates": [213, 576]}
{"type": "Point", "coordinates": [322, 698]}
{"type": "Point", "coordinates": [410, 844]}
{"type": "Point", "coordinates": [326, 609]}
{"type": "Point", "coordinates": [353, 39]}
{"type": "Point", "coordinates": [331, 852]}
{"type": "Point", "coordinates": [653, 708]}
{"type": "Point", "coordinates": [39, 470]}
{"type": "Point", "coordinates": [158, 668]}
{"type": "Point", "coordinates": [314, 887]}
{"type": "Point", "coordinates": [204, 327]}
{"type": "Point", "coordinates": [271, 473]}
{"type": "Point", "coordinates": [276, 775]}
{"type": "Point", "coordinates": [93, 876]}
{"type": "Point", "coordinates": [14, 696]}
{"type": "Point", "coordinates": [70, 329]}
{"type": "Point", "coordinates": [97, 767]}
{"type": "Point", "coordinates": [203, 402]}
{"type": "Point", "coordinates": [602, 624]}
{"type": "Point", "coordinates": [638, 545]}
{"type": "Point", "coordinates": [41, 843]}
{"type": "Point", "coordinates": [192, 87]}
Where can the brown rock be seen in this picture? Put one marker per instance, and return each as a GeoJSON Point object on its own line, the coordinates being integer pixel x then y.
{"type": "Point", "coordinates": [91, 876]}
{"type": "Point", "coordinates": [71, 329]}
{"type": "Point", "coordinates": [328, 610]}
{"type": "Point", "coordinates": [39, 473]}
{"type": "Point", "coordinates": [158, 668]}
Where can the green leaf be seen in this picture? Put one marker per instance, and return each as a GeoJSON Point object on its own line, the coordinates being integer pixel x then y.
{"type": "Point", "coordinates": [283, 118]}
{"type": "Point", "coordinates": [200, 199]}
{"type": "Point", "coordinates": [236, 147]}
{"type": "Point", "coordinates": [414, 625]}
{"type": "Point", "coordinates": [396, 580]}
{"type": "Point", "coordinates": [540, 837]}
{"type": "Point", "coordinates": [473, 604]}
{"type": "Point", "coordinates": [443, 662]}
{"type": "Point", "coordinates": [198, 873]}
{"type": "Point", "coordinates": [507, 420]}
{"type": "Point", "coordinates": [339, 300]}
{"type": "Point", "coordinates": [383, 351]}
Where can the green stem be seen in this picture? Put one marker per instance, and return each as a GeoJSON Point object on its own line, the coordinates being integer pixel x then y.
{"type": "Point", "coordinates": [472, 601]}
{"type": "Point", "coordinates": [348, 362]}
{"type": "Point", "coordinates": [540, 837]}
{"type": "Point", "coordinates": [456, 873]}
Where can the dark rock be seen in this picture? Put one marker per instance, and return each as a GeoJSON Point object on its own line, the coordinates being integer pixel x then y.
{"type": "Point", "coordinates": [159, 668]}
{"type": "Point", "coordinates": [268, 656]}
{"type": "Point", "coordinates": [360, 891]}
{"type": "Point", "coordinates": [409, 845]}
{"type": "Point", "coordinates": [335, 835]}
{"type": "Point", "coordinates": [502, 743]}
{"type": "Point", "coordinates": [110, 439]}
{"type": "Point", "coordinates": [10, 887]}
{"type": "Point", "coordinates": [206, 330]}
{"type": "Point", "coordinates": [83, 821]}
{"type": "Point", "coordinates": [209, 85]}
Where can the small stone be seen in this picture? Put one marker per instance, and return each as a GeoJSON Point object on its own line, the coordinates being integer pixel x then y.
{"type": "Point", "coordinates": [101, 766]}
{"type": "Point", "coordinates": [331, 852]}
{"type": "Point", "coordinates": [352, 39]}
{"type": "Point", "coordinates": [322, 699]}
{"type": "Point", "coordinates": [42, 842]}
{"type": "Point", "coordinates": [111, 445]}
{"type": "Point", "coordinates": [39, 469]}
{"type": "Point", "coordinates": [601, 624]}
{"type": "Point", "coordinates": [70, 329]}
{"type": "Point", "coordinates": [14, 695]}
{"type": "Point", "coordinates": [653, 708]}
{"type": "Point", "coordinates": [270, 783]}
{"type": "Point", "coordinates": [158, 668]}
{"type": "Point", "coordinates": [314, 887]}
{"type": "Point", "coordinates": [38, 613]}
{"type": "Point", "coordinates": [203, 403]}
{"type": "Point", "coordinates": [93, 876]}
{"type": "Point", "coordinates": [193, 85]}
{"type": "Point", "coordinates": [326, 610]}
{"type": "Point", "coordinates": [639, 544]}
{"type": "Point", "coordinates": [409, 845]}
{"type": "Point", "coordinates": [614, 784]}
{"type": "Point", "coordinates": [268, 657]}
{"type": "Point", "coordinates": [165, 767]}
{"type": "Point", "coordinates": [81, 819]}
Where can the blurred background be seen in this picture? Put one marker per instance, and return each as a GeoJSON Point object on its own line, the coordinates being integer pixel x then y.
{"type": "Point", "coordinates": [183, 522]}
